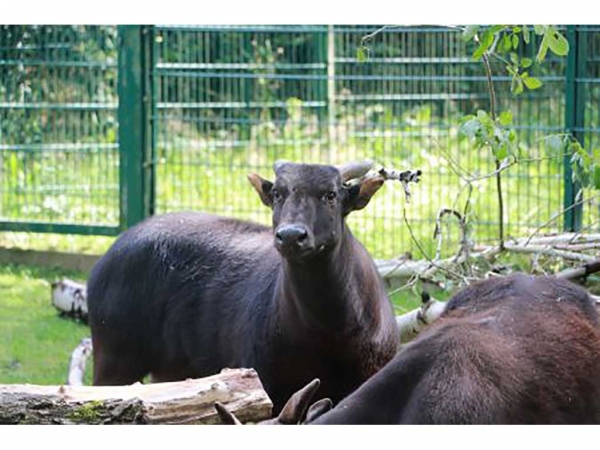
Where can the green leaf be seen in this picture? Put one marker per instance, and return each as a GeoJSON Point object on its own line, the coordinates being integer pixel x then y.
{"type": "Point", "coordinates": [515, 41]}
{"type": "Point", "coordinates": [495, 29]}
{"type": "Point", "coordinates": [539, 29]}
{"type": "Point", "coordinates": [486, 42]}
{"type": "Point", "coordinates": [514, 58]}
{"type": "Point", "coordinates": [543, 49]}
{"type": "Point", "coordinates": [516, 86]}
{"type": "Point", "coordinates": [362, 54]}
{"type": "Point", "coordinates": [471, 127]}
{"type": "Point", "coordinates": [501, 152]}
{"type": "Point", "coordinates": [481, 114]}
{"type": "Point", "coordinates": [513, 70]}
{"type": "Point", "coordinates": [526, 62]}
{"type": "Point", "coordinates": [506, 43]}
{"type": "Point", "coordinates": [470, 32]}
{"type": "Point", "coordinates": [526, 36]}
{"type": "Point", "coordinates": [532, 82]}
{"type": "Point", "coordinates": [596, 156]}
{"type": "Point", "coordinates": [557, 42]}
{"type": "Point", "coordinates": [596, 177]}
{"type": "Point", "coordinates": [505, 118]}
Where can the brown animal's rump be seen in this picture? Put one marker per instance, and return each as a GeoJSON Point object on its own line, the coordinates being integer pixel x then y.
{"type": "Point", "coordinates": [514, 350]}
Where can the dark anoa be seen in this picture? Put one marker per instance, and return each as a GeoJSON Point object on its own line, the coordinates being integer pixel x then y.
{"type": "Point", "coordinates": [187, 294]}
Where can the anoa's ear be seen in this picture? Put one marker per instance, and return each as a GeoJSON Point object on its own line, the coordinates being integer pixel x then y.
{"type": "Point", "coordinates": [263, 187]}
{"type": "Point", "coordinates": [360, 194]}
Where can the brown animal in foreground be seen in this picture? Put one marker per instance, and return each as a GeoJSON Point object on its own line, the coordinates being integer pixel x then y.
{"type": "Point", "coordinates": [187, 294]}
{"type": "Point", "coordinates": [515, 350]}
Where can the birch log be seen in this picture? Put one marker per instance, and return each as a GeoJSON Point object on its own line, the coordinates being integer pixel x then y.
{"type": "Point", "coordinates": [70, 298]}
{"type": "Point", "coordinates": [411, 323]}
{"type": "Point", "coordinates": [78, 361]}
{"type": "Point", "coordinates": [182, 402]}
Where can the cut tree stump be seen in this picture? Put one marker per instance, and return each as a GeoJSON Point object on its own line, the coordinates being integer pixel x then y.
{"type": "Point", "coordinates": [183, 402]}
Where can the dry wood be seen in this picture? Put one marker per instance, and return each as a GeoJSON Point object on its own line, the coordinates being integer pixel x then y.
{"type": "Point", "coordinates": [578, 272]}
{"type": "Point", "coordinates": [548, 250]}
{"type": "Point", "coordinates": [413, 322]}
{"type": "Point", "coordinates": [182, 402]}
{"type": "Point", "coordinates": [70, 298]}
{"type": "Point", "coordinates": [78, 361]}
{"type": "Point", "coordinates": [561, 238]}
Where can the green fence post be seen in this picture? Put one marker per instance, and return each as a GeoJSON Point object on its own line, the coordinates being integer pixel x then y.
{"type": "Point", "coordinates": [574, 122]}
{"type": "Point", "coordinates": [136, 137]}
{"type": "Point", "coordinates": [331, 100]}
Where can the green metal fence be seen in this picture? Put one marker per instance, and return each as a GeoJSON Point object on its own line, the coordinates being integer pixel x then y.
{"type": "Point", "coordinates": [58, 129]}
{"type": "Point", "coordinates": [200, 107]}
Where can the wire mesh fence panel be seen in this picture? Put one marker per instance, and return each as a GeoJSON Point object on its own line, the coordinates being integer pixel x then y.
{"type": "Point", "coordinates": [58, 127]}
{"type": "Point", "coordinates": [234, 99]}
{"type": "Point", "coordinates": [404, 107]}
{"type": "Point", "coordinates": [589, 85]}
{"type": "Point", "coordinates": [224, 101]}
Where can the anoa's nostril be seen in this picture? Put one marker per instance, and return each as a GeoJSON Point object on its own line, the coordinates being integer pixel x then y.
{"type": "Point", "coordinates": [302, 237]}
{"type": "Point", "coordinates": [291, 234]}
{"type": "Point", "coordinates": [279, 237]}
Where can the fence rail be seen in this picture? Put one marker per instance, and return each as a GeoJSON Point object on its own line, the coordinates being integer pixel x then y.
{"type": "Point", "coordinates": [101, 126]}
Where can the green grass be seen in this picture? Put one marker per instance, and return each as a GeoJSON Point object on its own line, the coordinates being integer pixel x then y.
{"type": "Point", "coordinates": [70, 243]}
{"type": "Point", "coordinates": [35, 343]}
{"type": "Point", "coordinates": [405, 300]}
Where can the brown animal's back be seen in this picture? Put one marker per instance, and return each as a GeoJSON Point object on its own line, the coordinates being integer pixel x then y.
{"type": "Point", "coordinates": [516, 350]}
{"type": "Point", "coordinates": [519, 349]}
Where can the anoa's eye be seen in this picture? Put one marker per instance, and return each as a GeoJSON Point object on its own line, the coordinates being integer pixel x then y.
{"type": "Point", "coordinates": [330, 196]}
{"type": "Point", "coordinates": [276, 195]}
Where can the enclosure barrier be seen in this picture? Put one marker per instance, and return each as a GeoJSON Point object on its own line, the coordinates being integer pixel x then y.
{"type": "Point", "coordinates": [101, 126]}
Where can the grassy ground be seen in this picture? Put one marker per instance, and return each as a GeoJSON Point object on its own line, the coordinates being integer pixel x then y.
{"type": "Point", "coordinates": [36, 344]}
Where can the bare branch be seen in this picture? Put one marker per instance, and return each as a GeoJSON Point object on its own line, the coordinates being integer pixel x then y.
{"type": "Point", "coordinates": [438, 232]}
{"type": "Point", "coordinates": [405, 177]}
{"type": "Point", "coordinates": [549, 251]}
{"type": "Point", "coordinates": [432, 264]}
{"type": "Point", "coordinates": [560, 214]}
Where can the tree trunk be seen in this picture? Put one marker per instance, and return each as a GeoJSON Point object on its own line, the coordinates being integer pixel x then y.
{"type": "Point", "coordinates": [183, 402]}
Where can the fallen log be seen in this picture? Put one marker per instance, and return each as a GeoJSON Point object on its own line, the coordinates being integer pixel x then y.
{"type": "Point", "coordinates": [78, 361]}
{"type": "Point", "coordinates": [70, 298]}
{"type": "Point", "coordinates": [183, 402]}
{"type": "Point", "coordinates": [413, 322]}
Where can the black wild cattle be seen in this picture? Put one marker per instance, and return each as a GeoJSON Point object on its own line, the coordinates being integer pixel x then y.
{"type": "Point", "coordinates": [516, 350]}
{"type": "Point", "coordinates": [185, 295]}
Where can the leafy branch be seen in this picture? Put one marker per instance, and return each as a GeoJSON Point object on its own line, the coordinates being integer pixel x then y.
{"type": "Point", "coordinates": [496, 131]}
